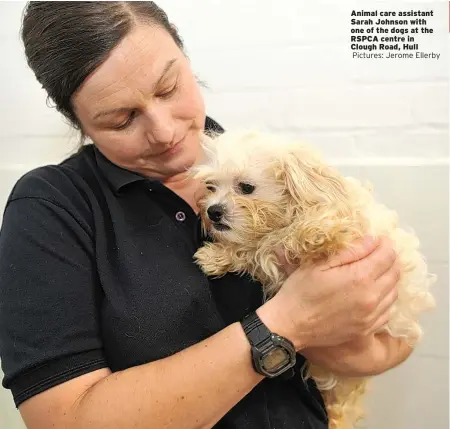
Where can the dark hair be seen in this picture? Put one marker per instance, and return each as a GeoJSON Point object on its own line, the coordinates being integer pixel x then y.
{"type": "Point", "coordinates": [66, 41]}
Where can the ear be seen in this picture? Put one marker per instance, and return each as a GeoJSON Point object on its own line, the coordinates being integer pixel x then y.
{"type": "Point", "coordinates": [319, 207]}
{"type": "Point", "coordinates": [311, 183]}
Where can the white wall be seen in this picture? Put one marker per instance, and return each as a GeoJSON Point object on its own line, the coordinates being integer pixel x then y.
{"type": "Point", "coordinates": [287, 66]}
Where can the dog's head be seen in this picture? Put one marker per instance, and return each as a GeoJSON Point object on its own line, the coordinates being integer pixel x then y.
{"type": "Point", "coordinates": [258, 183]}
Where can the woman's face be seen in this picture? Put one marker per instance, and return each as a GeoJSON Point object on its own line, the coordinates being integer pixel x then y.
{"type": "Point", "coordinates": [142, 107]}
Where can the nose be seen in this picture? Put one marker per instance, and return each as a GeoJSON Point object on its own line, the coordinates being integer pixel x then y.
{"type": "Point", "coordinates": [160, 126]}
{"type": "Point", "coordinates": [215, 212]}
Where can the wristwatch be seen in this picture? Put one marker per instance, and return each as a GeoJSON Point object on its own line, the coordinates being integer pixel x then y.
{"type": "Point", "coordinates": [272, 355]}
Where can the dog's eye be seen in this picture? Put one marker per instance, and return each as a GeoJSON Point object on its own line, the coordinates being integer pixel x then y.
{"type": "Point", "coordinates": [246, 188]}
{"type": "Point", "coordinates": [210, 187]}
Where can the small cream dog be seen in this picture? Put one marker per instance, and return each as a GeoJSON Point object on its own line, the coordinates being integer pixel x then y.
{"type": "Point", "coordinates": [266, 190]}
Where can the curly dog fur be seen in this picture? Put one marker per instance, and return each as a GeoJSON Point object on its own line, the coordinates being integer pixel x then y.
{"type": "Point", "coordinates": [272, 191]}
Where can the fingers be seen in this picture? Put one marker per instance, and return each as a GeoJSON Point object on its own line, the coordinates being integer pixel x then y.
{"type": "Point", "coordinates": [388, 280]}
{"type": "Point", "coordinates": [362, 248]}
{"type": "Point", "coordinates": [382, 313]}
{"type": "Point", "coordinates": [381, 260]}
{"type": "Point", "coordinates": [388, 296]}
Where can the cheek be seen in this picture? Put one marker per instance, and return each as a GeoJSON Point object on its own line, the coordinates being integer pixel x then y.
{"type": "Point", "coordinates": [259, 215]}
{"type": "Point", "coordinates": [244, 208]}
{"type": "Point", "coordinates": [271, 192]}
{"type": "Point", "coordinates": [121, 148]}
{"type": "Point", "coordinates": [190, 104]}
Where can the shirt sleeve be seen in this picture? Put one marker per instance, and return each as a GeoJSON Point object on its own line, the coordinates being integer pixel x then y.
{"type": "Point", "coordinates": [49, 297]}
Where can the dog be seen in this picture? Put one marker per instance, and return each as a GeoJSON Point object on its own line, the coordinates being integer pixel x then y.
{"type": "Point", "coordinates": [264, 191]}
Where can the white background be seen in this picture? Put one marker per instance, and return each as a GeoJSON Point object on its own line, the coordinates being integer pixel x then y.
{"type": "Point", "coordinates": [286, 66]}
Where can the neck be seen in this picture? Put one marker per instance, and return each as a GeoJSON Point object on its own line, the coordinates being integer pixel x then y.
{"type": "Point", "coordinates": [185, 187]}
{"type": "Point", "coordinates": [179, 181]}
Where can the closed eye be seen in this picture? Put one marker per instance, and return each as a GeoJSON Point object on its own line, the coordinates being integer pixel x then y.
{"type": "Point", "coordinates": [128, 122]}
{"type": "Point", "coordinates": [169, 92]}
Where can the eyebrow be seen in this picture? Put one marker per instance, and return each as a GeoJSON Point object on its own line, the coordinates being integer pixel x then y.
{"type": "Point", "coordinates": [125, 109]}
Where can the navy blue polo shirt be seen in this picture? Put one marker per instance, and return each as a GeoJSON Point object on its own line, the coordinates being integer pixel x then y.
{"type": "Point", "coordinates": [96, 270]}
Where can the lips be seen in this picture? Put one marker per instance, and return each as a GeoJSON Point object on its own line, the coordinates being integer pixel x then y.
{"type": "Point", "coordinates": [168, 150]}
{"type": "Point", "coordinates": [171, 148]}
{"type": "Point", "coordinates": [220, 226]}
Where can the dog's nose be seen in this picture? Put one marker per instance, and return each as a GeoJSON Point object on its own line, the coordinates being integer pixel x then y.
{"type": "Point", "coordinates": [215, 212]}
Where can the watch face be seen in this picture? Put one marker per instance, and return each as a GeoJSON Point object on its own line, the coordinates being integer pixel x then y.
{"type": "Point", "coordinates": [274, 360]}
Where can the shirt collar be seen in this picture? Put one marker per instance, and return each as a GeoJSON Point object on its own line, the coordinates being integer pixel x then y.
{"type": "Point", "coordinates": [117, 177]}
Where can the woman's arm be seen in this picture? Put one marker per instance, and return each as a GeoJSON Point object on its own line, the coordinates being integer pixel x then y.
{"type": "Point", "coordinates": [194, 388]}
{"type": "Point", "coordinates": [191, 389]}
{"type": "Point", "coordinates": [367, 356]}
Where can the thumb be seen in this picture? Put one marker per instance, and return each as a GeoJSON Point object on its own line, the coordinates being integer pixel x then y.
{"type": "Point", "coordinates": [283, 260]}
{"type": "Point", "coordinates": [358, 250]}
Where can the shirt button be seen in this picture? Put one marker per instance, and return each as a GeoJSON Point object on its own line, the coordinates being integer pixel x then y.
{"type": "Point", "coordinates": [180, 216]}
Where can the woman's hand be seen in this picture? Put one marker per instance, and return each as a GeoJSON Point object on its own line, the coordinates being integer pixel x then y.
{"type": "Point", "coordinates": [336, 301]}
{"type": "Point", "coordinates": [364, 356]}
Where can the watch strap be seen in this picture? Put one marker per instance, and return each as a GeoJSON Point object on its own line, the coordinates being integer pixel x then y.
{"type": "Point", "coordinates": [255, 329]}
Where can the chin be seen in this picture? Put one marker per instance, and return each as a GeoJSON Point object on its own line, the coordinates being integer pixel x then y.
{"type": "Point", "coordinates": [193, 153]}
{"type": "Point", "coordinates": [225, 233]}
{"type": "Point", "coordinates": [185, 158]}
{"type": "Point", "coordinates": [186, 162]}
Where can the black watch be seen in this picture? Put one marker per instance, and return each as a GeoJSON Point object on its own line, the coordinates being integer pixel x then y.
{"type": "Point", "coordinates": [272, 355]}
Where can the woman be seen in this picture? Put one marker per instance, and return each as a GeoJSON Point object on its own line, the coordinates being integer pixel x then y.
{"type": "Point", "coordinates": [105, 321]}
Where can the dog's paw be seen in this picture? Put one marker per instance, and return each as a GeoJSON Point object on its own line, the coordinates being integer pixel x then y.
{"type": "Point", "coordinates": [212, 260]}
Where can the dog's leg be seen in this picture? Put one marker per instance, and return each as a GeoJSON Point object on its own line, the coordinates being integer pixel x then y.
{"type": "Point", "coordinates": [214, 259]}
{"type": "Point", "coordinates": [269, 271]}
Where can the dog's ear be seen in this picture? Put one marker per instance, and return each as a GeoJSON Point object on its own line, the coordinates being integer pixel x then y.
{"type": "Point", "coordinates": [208, 143]}
{"type": "Point", "coordinates": [320, 206]}
{"type": "Point", "coordinates": [311, 183]}
{"type": "Point", "coordinates": [203, 169]}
